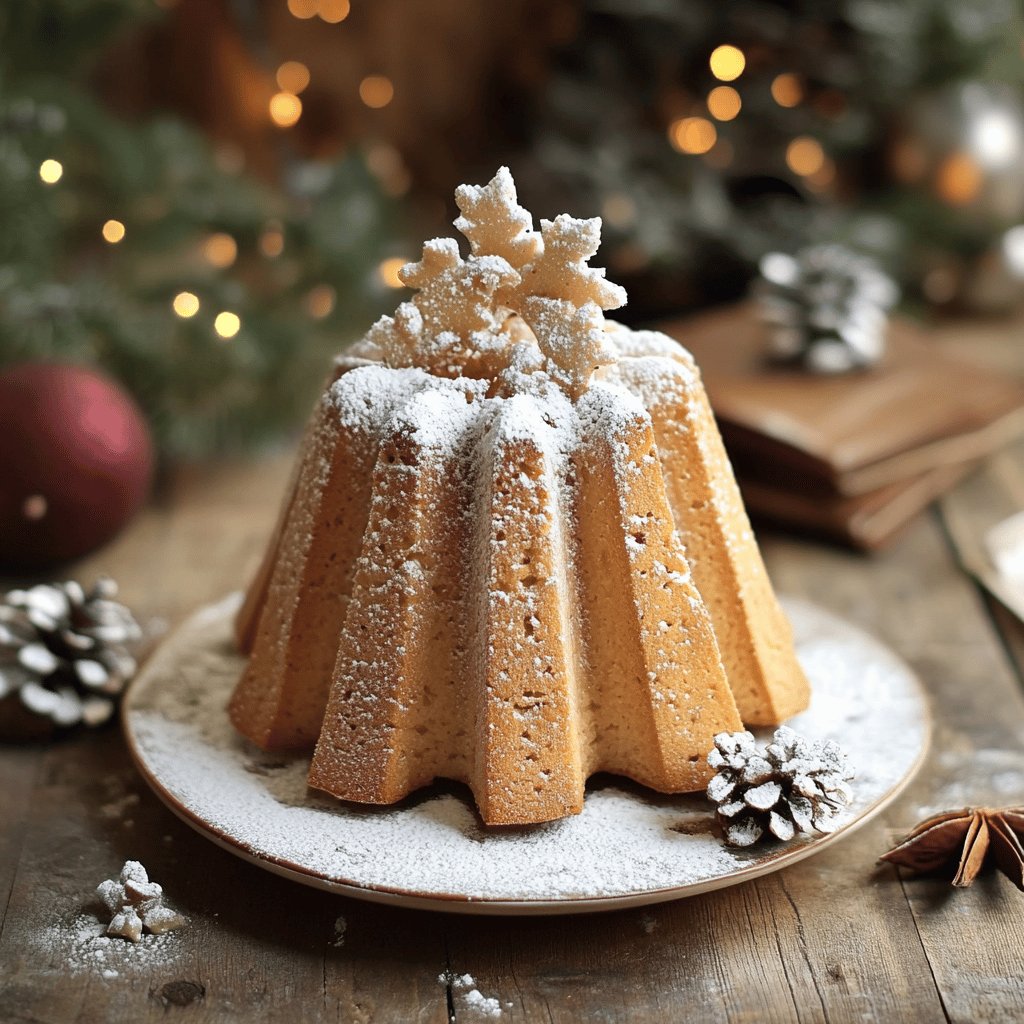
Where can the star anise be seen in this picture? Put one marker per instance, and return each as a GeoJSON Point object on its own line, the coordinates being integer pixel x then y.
{"type": "Point", "coordinates": [963, 839]}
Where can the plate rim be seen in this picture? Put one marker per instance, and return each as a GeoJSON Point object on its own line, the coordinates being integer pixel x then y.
{"type": "Point", "coordinates": [527, 906]}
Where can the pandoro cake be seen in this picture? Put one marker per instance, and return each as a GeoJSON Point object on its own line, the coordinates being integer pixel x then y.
{"type": "Point", "coordinates": [513, 552]}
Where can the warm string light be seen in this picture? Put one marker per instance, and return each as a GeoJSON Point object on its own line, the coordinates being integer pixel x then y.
{"type": "Point", "coordinates": [51, 171]}
{"type": "Point", "coordinates": [692, 134]}
{"type": "Point", "coordinates": [724, 103]}
{"type": "Point", "coordinates": [727, 63]}
{"type": "Point", "coordinates": [334, 11]}
{"type": "Point", "coordinates": [113, 231]}
{"type": "Point", "coordinates": [320, 301]}
{"type": "Point", "coordinates": [787, 90]}
{"type": "Point", "coordinates": [388, 271]}
{"type": "Point", "coordinates": [804, 156]}
{"type": "Point", "coordinates": [272, 241]}
{"type": "Point", "coordinates": [185, 305]}
{"type": "Point", "coordinates": [958, 179]}
{"type": "Point", "coordinates": [376, 91]}
{"type": "Point", "coordinates": [331, 11]}
{"type": "Point", "coordinates": [285, 109]}
{"type": "Point", "coordinates": [303, 9]}
{"type": "Point", "coordinates": [220, 250]}
{"type": "Point", "coordinates": [293, 76]}
{"type": "Point", "coordinates": [227, 324]}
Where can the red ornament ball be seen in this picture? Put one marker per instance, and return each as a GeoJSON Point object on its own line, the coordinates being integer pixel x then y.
{"type": "Point", "coordinates": [76, 463]}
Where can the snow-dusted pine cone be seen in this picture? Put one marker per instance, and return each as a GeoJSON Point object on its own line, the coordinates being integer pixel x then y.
{"type": "Point", "coordinates": [792, 785]}
{"type": "Point", "coordinates": [65, 656]}
{"type": "Point", "coordinates": [826, 308]}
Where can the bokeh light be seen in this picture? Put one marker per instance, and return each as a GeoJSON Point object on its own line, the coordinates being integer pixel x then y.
{"type": "Point", "coordinates": [51, 171]}
{"type": "Point", "coordinates": [185, 304]}
{"type": "Point", "coordinates": [727, 63]}
{"type": "Point", "coordinates": [787, 89]}
{"type": "Point", "coordinates": [220, 250]}
{"type": "Point", "coordinates": [333, 11]}
{"type": "Point", "coordinates": [376, 91]}
{"type": "Point", "coordinates": [293, 76]}
{"type": "Point", "coordinates": [113, 231]}
{"type": "Point", "coordinates": [692, 134]}
{"type": "Point", "coordinates": [804, 156]}
{"type": "Point", "coordinates": [303, 8]}
{"type": "Point", "coordinates": [227, 324]}
{"type": "Point", "coordinates": [285, 109]}
{"type": "Point", "coordinates": [724, 103]}
{"type": "Point", "coordinates": [388, 271]}
{"type": "Point", "coordinates": [272, 242]}
{"type": "Point", "coordinates": [958, 180]}
{"type": "Point", "coordinates": [320, 301]}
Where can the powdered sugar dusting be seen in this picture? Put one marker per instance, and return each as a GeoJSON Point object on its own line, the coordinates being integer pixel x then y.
{"type": "Point", "coordinates": [76, 943]}
{"type": "Point", "coordinates": [627, 841]}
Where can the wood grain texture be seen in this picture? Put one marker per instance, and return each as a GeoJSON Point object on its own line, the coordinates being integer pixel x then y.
{"type": "Point", "coordinates": [832, 939]}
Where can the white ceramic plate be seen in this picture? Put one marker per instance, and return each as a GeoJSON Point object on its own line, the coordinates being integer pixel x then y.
{"type": "Point", "coordinates": [629, 846]}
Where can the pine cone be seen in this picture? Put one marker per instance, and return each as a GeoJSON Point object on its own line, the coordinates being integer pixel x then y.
{"type": "Point", "coordinates": [792, 785]}
{"type": "Point", "coordinates": [65, 657]}
{"type": "Point", "coordinates": [826, 308]}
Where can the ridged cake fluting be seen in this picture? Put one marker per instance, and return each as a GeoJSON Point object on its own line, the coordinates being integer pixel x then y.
{"type": "Point", "coordinates": [513, 553]}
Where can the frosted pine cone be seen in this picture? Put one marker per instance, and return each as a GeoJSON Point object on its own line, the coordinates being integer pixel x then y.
{"type": "Point", "coordinates": [826, 308]}
{"type": "Point", "coordinates": [792, 785]}
{"type": "Point", "coordinates": [65, 656]}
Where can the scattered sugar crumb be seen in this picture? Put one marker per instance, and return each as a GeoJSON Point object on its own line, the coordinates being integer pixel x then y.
{"type": "Point", "coordinates": [648, 922]}
{"type": "Point", "coordinates": [485, 1005]}
{"type": "Point", "coordinates": [340, 927]}
{"type": "Point", "coordinates": [110, 973]}
{"type": "Point", "coordinates": [469, 996]}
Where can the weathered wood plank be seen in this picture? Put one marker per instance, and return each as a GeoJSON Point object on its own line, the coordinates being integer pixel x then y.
{"type": "Point", "coordinates": [919, 603]}
{"type": "Point", "coordinates": [258, 946]}
{"type": "Point", "coordinates": [19, 769]}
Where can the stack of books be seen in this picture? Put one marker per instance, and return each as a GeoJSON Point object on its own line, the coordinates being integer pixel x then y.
{"type": "Point", "coordinates": [854, 457]}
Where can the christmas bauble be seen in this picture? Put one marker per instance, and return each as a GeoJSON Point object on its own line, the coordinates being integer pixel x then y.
{"type": "Point", "coordinates": [76, 463]}
{"type": "Point", "coordinates": [965, 144]}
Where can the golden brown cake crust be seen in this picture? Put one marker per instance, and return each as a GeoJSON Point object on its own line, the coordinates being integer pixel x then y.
{"type": "Point", "coordinates": [523, 565]}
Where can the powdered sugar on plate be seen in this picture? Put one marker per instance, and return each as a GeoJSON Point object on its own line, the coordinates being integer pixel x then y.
{"type": "Point", "coordinates": [628, 844]}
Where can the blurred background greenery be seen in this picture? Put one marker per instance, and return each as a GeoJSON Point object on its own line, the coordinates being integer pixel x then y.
{"type": "Point", "coordinates": [207, 198]}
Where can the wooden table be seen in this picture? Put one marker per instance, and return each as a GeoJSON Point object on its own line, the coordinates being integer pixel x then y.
{"type": "Point", "coordinates": [831, 939]}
